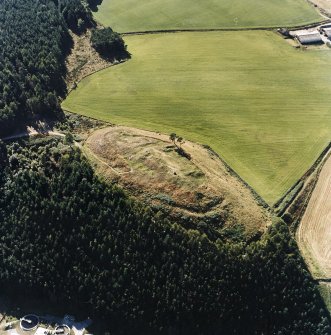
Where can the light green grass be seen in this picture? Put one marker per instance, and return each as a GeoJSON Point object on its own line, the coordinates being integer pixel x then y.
{"type": "Point", "coordinates": [260, 103]}
{"type": "Point", "coordinates": [133, 15]}
{"type": "Point", "coordinates": [325, 290]}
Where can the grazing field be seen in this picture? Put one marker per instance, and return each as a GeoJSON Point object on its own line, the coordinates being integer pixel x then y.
{"type": "Point", "coordinates": [314, 233]}
{"type": "Point", "coordinates": [261, 104]}
{"type": "Point", "coordinates": [132, 15]}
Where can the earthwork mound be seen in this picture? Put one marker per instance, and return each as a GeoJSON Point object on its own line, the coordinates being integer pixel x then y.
{"type": "Point", "coordinates": [200, 193]}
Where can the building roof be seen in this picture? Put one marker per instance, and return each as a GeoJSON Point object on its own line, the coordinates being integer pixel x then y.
{"type": "Point", "coordinates": [310, 38]}
{"type": "Point", "coordinates": [327, 31]}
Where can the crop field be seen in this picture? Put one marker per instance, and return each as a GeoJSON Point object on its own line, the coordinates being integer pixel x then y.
{"type": "Point", "coordinates": [264, 106]}
{"type": "Point", "coordinates": [314, 233]}
{"type": "Point", "coordinates": [132, 15]}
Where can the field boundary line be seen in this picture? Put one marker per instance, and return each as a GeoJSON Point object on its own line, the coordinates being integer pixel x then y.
{"type": "Point", "coordinates": [256, 195]}
{"type": "Point", "coordinates": [94, 72]}
{"type": "Point", "coordinates": [317, 268]}
{"type": "Point", "coordinates": [203, 30]}
{"type": "Point", "coordinates": [318, 169]}
{"type": "Point", "coordinates": [323, 280]}
{"type": "Point", "coordinates": [315, 167]}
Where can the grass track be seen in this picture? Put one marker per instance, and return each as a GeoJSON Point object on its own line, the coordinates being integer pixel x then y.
{"type": "Point", "coordinates": [133, 15]}
{"type": "Point", "coordinates": [264, 106]}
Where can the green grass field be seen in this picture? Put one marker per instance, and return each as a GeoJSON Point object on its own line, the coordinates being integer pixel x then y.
{"type": "Point", "coordinates": [260, 103]}
{"type": "Point", "coordinates": [133, 15]}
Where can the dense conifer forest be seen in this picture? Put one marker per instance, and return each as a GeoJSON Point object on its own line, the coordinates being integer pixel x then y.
{"type": "Point", "coordinates": [67, 235]}
{"type": "Point", "coordinates": [34, 41]}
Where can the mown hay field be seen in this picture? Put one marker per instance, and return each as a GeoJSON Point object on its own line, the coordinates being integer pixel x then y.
{"type": "Point", "coordinates": [132, 15]}
{"type": "Point", "coordinates": [314, 233]}
{"type": "Point", "coordinates": [264, 106]}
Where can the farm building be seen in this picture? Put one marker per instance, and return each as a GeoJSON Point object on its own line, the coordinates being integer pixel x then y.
{"type": "Point", "coordinates": [327, 32]}
{"type": "Point", "coordinates": [313, 37]}
{"type": "Point", "coordinates": [325, 26]}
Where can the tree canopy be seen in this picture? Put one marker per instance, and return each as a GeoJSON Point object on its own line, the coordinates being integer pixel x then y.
{"type": "Point", "coordinates": [34, 41]}
{"type": "Point", "coordinates": [109, 44]}
{"type": "Point", "coordinates": [68, 236]}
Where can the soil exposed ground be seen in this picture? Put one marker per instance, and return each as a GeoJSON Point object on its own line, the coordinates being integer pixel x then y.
{"type": "Point", "coordinates": [314, 233]}
{"type": "Point", "coordinates": [200, 191]}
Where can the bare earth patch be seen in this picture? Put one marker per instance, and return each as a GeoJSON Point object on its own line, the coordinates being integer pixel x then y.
{"type": "Point", "coordinates": [83, 59]}
{"type": "Point", "coordinates": [200, 191]}
{"type": "Point", "coordinates": [314, 233]}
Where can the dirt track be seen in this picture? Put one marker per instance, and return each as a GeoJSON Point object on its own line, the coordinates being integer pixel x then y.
{"type": "Point", "coordinates": [314, 233]}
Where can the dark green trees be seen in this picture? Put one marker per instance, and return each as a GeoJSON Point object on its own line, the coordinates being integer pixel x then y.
{"type": "Point", "coordinates": [76, 15]}
{"type": "Point", "coordinates": [94, 3]}
{"type": "Point", "coordinates": [109, 44]}
{"type": "Point", "coordinates": [3, 155]}
{"type": "Point", "coordinates": [34, 41]}
{"type": "Point", "coordinates": [66, 234]}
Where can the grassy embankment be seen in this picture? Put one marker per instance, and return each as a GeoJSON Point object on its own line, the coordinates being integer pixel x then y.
{"type": "Point", "coordinates": [130, 15]}
{"type": "Point", "coordinates": [262, 105]}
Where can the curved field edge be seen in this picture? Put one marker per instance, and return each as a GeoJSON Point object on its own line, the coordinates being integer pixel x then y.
{"type": "Point", "coordinates": [130, 15]}
{"type": "Point", "coordinates": [313, 234]}
{"type": "Point", "coordinates": [258, 102]}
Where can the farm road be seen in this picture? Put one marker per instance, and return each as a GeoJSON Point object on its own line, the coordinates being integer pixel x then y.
{"type": "Point", "coordinates": [41, 129]}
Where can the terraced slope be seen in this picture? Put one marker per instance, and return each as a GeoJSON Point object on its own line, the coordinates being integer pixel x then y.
{"type": "Point", "coordinates": [261, 104]}
{"type": "Point", "coordinates": [314, 233]}
{"type": "Point", "coordinates": [133, 15]}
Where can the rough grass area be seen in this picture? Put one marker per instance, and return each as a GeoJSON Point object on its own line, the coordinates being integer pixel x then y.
{"type": "Point", "coordinates": [83, 59]}
{"type": "Point", "coordinates": [132, 15]}
{"type": "Point", "coordinates": [264, 106]}
{"type": "Point", "coordinates": [198, 192]}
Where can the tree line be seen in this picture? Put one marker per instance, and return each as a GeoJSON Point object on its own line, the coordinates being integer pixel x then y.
{"type": "Point", "coordinates": [69, 237]}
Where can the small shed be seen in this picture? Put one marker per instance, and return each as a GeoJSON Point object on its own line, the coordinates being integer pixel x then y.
{"type": "Point", "coordinates": [313, 37]}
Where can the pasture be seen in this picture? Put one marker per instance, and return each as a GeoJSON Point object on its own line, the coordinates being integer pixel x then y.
{"type": "Point", "coordinates": [264, 106]}
{"type": "Point", "coordinates": [132, 15]}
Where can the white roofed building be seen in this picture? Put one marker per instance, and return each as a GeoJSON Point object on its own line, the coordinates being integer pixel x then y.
{"type": "Point", "coordinates": [313, 37]}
